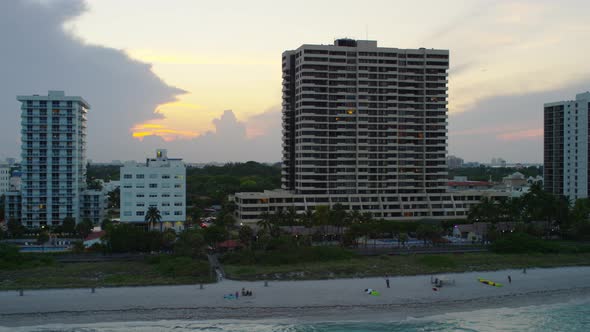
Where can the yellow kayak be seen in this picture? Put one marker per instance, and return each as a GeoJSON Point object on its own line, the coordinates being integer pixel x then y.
{"type": "Point", "coordinates": [489, 282]}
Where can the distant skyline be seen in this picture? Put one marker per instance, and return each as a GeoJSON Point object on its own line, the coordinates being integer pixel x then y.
{"type": "Point", "coordinates": [203, 79]}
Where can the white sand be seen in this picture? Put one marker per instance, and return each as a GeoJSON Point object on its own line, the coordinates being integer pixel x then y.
{"type": "Point", "coordinates": [319, 299]}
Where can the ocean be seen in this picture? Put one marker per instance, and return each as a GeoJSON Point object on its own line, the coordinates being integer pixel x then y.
{"type": "Point", "coordinates": [572, 316]}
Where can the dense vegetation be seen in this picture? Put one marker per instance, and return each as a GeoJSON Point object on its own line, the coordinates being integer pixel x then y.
{"type": "Point", "coordinates": [484, 173]}
{"type": "Point", "coordinates": [103, 172]}
{"type": "Point", "coordinates": [538, 213]}
{"type": "Point", "coordinates": [216, 182]}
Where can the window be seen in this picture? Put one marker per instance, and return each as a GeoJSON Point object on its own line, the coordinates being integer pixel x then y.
{"type": "Point", "coordinates": [139, 176]}
{"type": "Point", "coordinates": [140, 185]}
{"type": "Point", "coordinates": [139, 213]}
{"type": "Point", "coordinates": [177, 185]}
{"type": "Point", "coordinates": [127, 176]}
{"type": "Point", "coordinates": [165, 176]}
{"type": "Point", "coordinates": [165, 195]}
{"type": "Point", "coordinates": [166, 213]}
{"type": "Point", "coordinates": [153, 176]}
{"type": "Point", "coordinates": [165, 185]}
{"type": "Point", "coordinates": [127, 213]}
{"type": "Point", "coordinates": [178, 177]}
{"type": "Point", "coordinates": [140, 195]}
{"type": "Point", "coordinates": [177, 203]}
{"type": "Point", "coordinates": [153, 185]}
{"type": "Point", "coordinates": [140, 204]}
{"type": "Point", "coordinates": [127, 186]}
{"type": "Point", "coordinates": [178, 195]}
{"type": "Point", "coordinates": [165, 204]}
{"type": "Point", "coordinates": [153, 195]}
{"type": "Point", "coordinates": [178, 213]}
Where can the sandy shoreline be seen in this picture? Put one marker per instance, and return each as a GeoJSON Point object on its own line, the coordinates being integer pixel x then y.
{"type": "Point", "coordinates": [409, 296]}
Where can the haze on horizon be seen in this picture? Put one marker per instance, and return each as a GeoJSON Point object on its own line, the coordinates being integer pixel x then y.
{"type": "Point", "coordinates": [203, 79]}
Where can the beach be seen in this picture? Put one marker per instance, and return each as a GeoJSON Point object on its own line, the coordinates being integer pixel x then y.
{"type": "Point", "coordinates": [409, 296]}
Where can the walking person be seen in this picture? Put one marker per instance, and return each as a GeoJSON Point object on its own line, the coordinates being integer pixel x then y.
{"type": "Point", "coordinates": [387, 280]}
{"type": "Point", "coordinates": [524, 271]}
{"type": "Point", "coordinates": [509, 280]}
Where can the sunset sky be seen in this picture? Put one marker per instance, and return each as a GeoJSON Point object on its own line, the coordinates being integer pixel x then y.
{"type": "Point", "coordinates": [209, 57]}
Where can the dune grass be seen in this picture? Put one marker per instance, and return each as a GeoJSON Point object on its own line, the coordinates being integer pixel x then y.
{"type": "Point", "coordinates": [403, 265]}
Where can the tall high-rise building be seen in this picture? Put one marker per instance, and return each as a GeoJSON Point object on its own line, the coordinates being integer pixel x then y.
{"type": "Point", "coordinates": [566, 148]}
{"type": "Point", "coordinates": [53, 153]}
{"type": "Point", "coordinates": [364, 120]}
{"type": "Point", "coordinates": [365, 127]}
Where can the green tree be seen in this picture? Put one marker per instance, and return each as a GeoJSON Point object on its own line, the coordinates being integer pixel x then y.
{"type": "Point", "coordinates": [15, 228]}
{"type": "Point", "coordinates": [106, 223]}
{"type": "Point", "coordinates": [168, 239]}
{"type": "Point", "coordinates": [322, 218]}
{"type": "Point", "coordinates": [153, 217]}
{"type": "Point", "coordinates": [246, 234]}
{"type": "Point", "coordinates": [402, 239]}
{"type": "Point", "coordinates": [84, 228]}
{"type": "Point", "coordinates": [69, 225]}
{"type": "Point", "coordinates": [338, 218]}
{"type": "Point", "coordinates": [214, 234]}
{"type": "Point", "coordinates": [307, 220]}
{"type": "Point", "coordinates": [291, 218]}
{"type": "Point", "coordinates": [228, 222]}
{"type": "Point", "coordinates": [265, 222]}
{"type": "Point", "coordinates": [190, 243]}
{"type": "Point", "coordinates": [115, 198]}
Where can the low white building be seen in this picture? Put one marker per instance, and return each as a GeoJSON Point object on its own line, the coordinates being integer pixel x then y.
{"type": "Point", "coordinates": [159, 182]}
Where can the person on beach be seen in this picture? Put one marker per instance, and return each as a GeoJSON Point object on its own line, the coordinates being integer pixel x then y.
{"type": "Point", "coordinates": [387, 281]}
{"type": "Point", "coordinates": [524, 270]}
{"type": "Point", "coordinates": [237, 295]}
{"type": "Point", "coordinates": [509, 280]}
{"type": "Point", "coordinates": [243, 292]}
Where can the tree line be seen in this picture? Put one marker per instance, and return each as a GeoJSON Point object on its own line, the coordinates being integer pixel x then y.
{"type": "Point", "coordinates": [559, 215]}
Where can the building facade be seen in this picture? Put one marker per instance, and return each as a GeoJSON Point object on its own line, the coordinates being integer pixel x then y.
{"type": "Point", "coordinates": [4, 178]}
{"type": "Point", "coordinates": [566, 147]}
{"type": "Point", "coordinates": [159, 182]}
{"type": "Point", "coordinates": [53, 157]}
{"type": "Point", "coordinates": [93, 205]}
{"type": "Point", "coordinates": [454, 162]}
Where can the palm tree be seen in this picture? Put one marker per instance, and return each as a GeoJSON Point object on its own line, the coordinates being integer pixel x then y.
{"type": "Point", "coordinates": [265, 222]}
{"type": "Point", "coordinates": [307, 219]}
{"type": "Point", "coordinates": [153, 216]}
{"type": "Point", "coordinates": [322, 218]}
{"type": "Point", "coordinates": [291, 217]}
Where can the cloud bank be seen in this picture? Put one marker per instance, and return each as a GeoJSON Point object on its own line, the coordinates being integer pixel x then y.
{"type": "Point", "coordinates": [39, 55]}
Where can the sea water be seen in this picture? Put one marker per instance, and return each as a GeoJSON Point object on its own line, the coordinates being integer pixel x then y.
{"type": "Point", "coordinates": [572, 316]}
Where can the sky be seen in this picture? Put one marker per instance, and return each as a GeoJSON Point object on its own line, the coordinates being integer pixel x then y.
{"type": "Point", "coordinates": [203, 78]}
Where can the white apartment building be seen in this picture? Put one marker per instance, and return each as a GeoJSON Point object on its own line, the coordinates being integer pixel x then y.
{"type": "Point", "coordinates": [4, 178]}
{"type": "Point", "coordinates": [566, 147]}
{"type": "Point", "coordinates": [159, 182]}
{"type": "Point", "coordinates": [53, 154]}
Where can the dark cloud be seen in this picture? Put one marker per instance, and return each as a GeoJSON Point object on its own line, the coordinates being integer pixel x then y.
{"type": "Point", "coordinates": [38, 55]}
